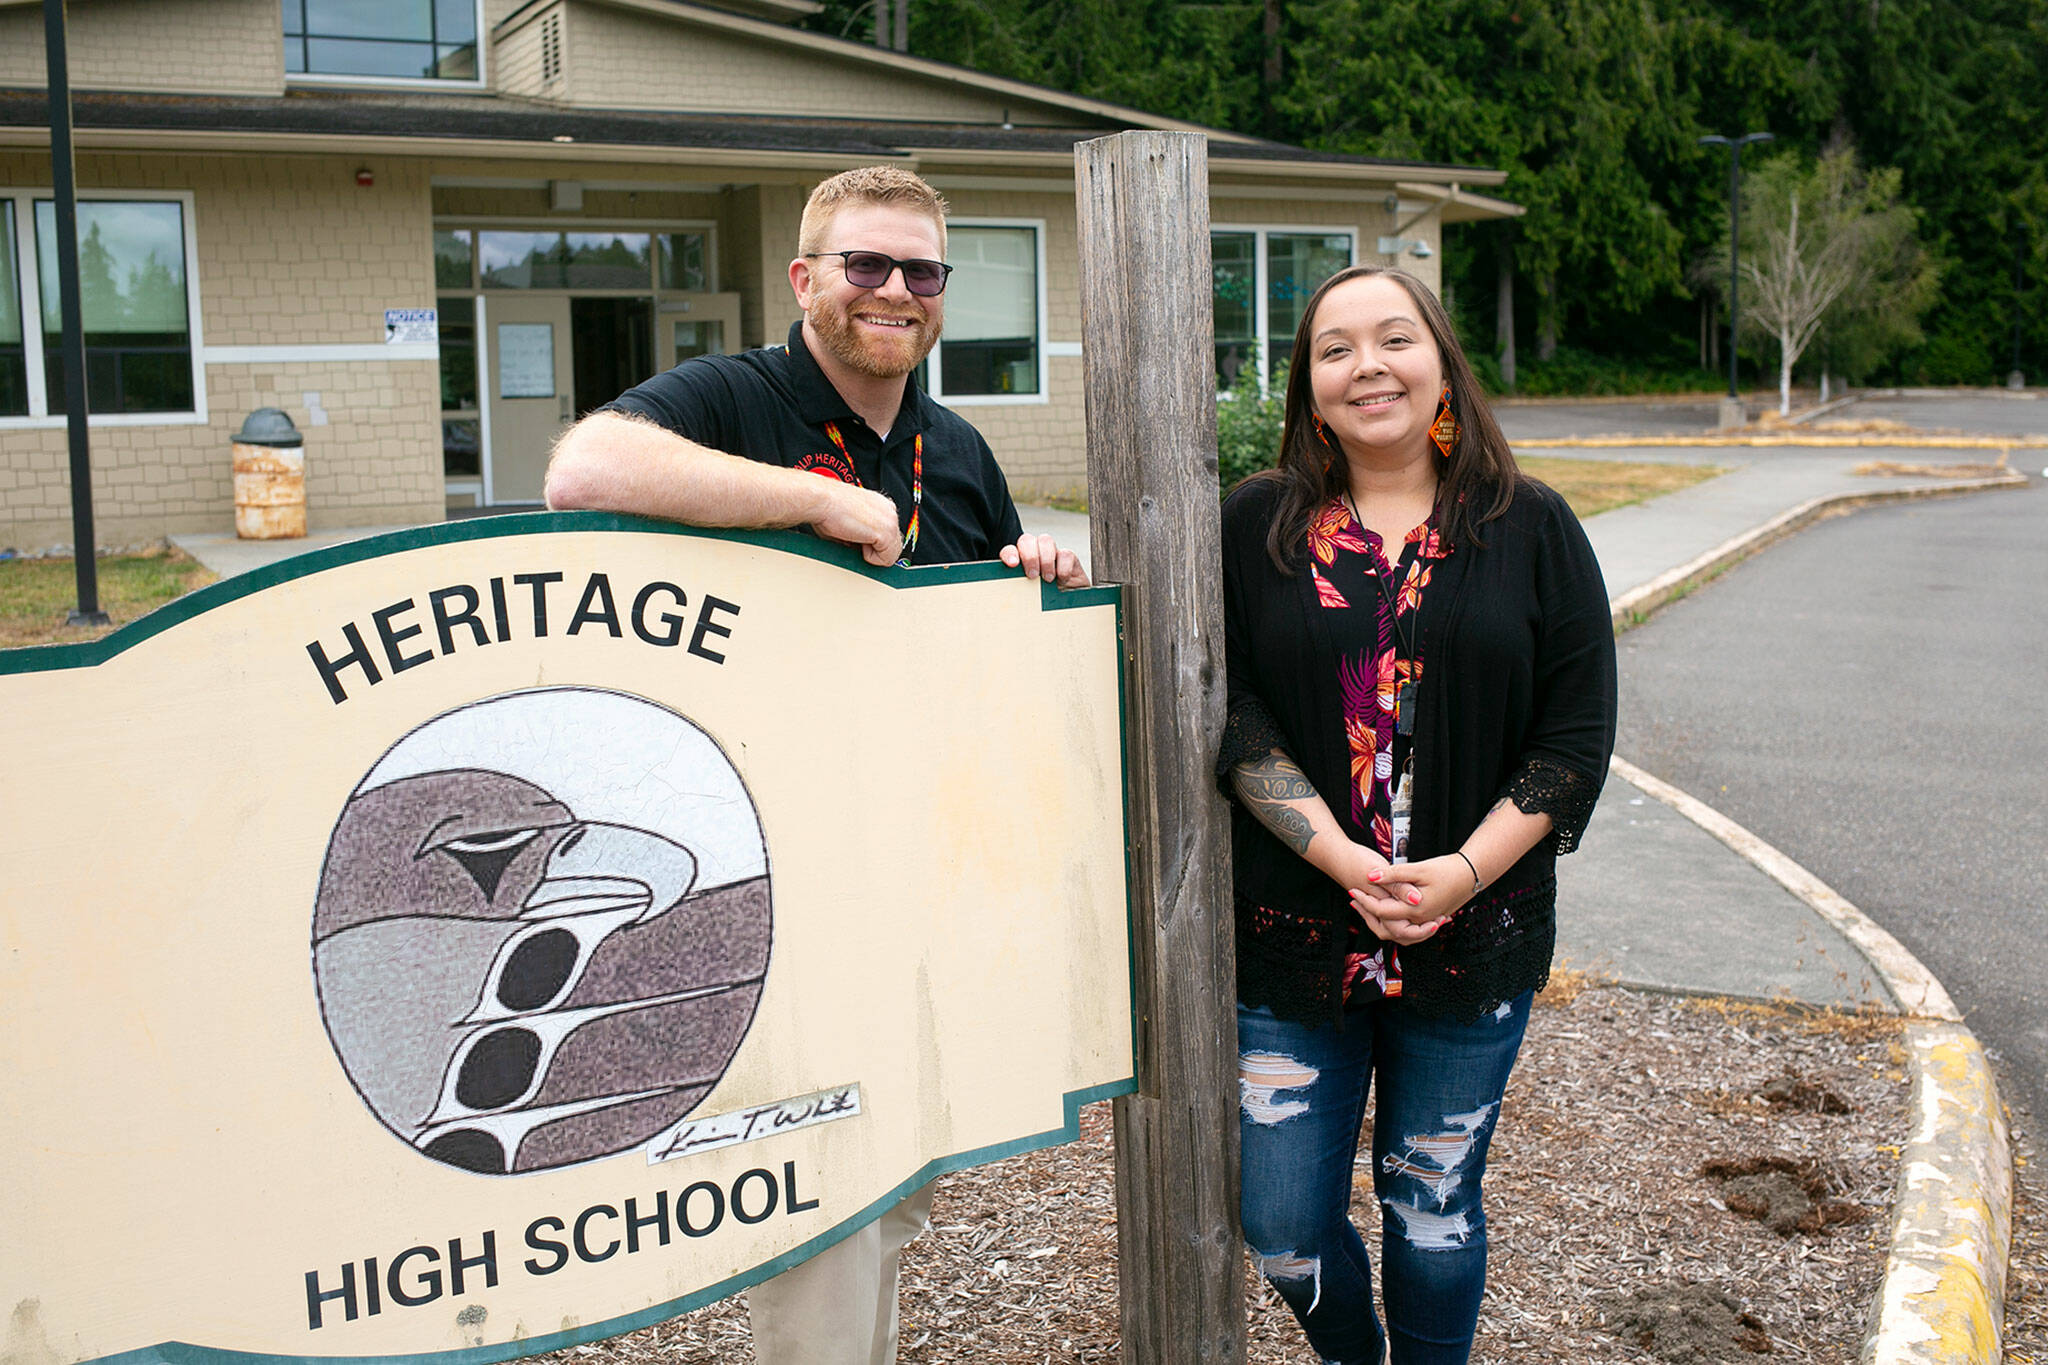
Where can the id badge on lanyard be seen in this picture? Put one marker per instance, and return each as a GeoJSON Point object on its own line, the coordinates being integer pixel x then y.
{"type": "Point", "coordinates": [1402, 808]}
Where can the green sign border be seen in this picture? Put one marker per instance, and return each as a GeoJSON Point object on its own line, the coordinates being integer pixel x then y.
{"type": "Point", "coordinates": [43, 658]}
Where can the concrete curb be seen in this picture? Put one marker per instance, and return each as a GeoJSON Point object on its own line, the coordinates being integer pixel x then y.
{"type": "Point", "coordinates": [1942, 1301]}
{"type": "Point", "coordinates": [1817, 440]}
{"type": "Point", "coordinates": [1822, 409]}
{"type": "Point", "coordinates": [1635, 606]}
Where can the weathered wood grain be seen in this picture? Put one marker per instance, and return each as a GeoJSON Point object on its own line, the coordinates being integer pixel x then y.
{"type": "Point", "coordinates": [1149, 356]}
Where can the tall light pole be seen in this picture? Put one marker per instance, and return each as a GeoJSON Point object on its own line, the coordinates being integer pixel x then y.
{"type": "Point", "coordinates": [1732, 414]}
{"type": "Point", "coordinates": [72, 316]}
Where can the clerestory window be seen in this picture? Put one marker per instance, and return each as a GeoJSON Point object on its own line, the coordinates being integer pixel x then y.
{"type": "Point", "coordinates": [383, 40]}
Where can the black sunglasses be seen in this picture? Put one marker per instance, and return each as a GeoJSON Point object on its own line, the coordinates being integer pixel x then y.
{"type": "Point", "coordinates": [871, 270]}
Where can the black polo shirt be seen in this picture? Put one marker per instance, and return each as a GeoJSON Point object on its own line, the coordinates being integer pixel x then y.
{"type": "Point", "coordinates": [775, 405]}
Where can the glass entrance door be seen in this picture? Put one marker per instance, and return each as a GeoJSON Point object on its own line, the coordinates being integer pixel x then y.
{"type": "Point", "coordinates": [531, 389]}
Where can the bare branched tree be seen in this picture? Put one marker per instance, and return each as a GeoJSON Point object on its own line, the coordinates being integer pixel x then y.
{"type": "Point", "coordinates": [1814, 237]}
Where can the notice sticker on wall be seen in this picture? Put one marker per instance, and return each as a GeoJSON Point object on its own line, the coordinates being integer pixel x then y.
{"type": "Point", "coordinates": [412, 326]}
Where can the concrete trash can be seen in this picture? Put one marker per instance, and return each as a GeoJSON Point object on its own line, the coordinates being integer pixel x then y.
{"type": "Point", "coordinates": [270, 477]}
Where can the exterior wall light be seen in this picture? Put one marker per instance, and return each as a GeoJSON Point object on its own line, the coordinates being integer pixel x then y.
{"type": "Point", "coordinates": [1414, 246]}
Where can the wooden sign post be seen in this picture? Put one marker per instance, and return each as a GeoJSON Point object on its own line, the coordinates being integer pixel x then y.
{"type": "Point", "coordinates": [1148, 344]}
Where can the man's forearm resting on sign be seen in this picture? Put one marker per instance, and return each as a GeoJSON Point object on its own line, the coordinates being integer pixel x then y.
{"type": "Point", "coordinates": [609, 462]}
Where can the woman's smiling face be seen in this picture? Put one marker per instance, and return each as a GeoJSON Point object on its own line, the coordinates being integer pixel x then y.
{"type": "Point", "coordinates": [1374, 369]}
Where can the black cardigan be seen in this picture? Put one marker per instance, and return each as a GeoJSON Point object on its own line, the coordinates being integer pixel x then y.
{"type": "Point", "coordinates": [1517, 699]}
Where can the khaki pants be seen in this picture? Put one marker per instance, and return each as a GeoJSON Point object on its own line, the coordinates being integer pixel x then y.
{"type": "Point", "coordinates": [839, 1307]}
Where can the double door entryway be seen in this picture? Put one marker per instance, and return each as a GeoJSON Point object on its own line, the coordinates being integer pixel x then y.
{"type": "Point", "coordinates": [548, 359]}
{"type": "Point", "coordinates": [540, 325]}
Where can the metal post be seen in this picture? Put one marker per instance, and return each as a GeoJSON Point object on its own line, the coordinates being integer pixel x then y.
{"type": "Point", "coordinates": [1734, 257]}
{"type": "Point", "coordinates": [1732, 414]}
{"type": "Point", "coordinates": [1148, 348]}
{"type": "Point", "coordinates": [64, 181]}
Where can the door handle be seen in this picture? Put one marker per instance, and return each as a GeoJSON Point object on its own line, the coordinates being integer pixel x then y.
{"type": "Point", "coordinates": [567, 407]}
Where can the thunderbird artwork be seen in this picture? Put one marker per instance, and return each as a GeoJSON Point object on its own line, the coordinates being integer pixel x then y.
{"type": "Point", "coordinates": [542, 929]}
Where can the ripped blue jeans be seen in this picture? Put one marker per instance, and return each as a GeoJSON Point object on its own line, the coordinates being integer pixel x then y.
{"type": "Point", "coordinates": [1302, 1094]}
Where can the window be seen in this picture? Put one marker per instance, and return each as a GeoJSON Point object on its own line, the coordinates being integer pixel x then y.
{"type": "Point", "coordinates": [136, 300]}
{"type": "Point", "coordinates": [13, 344]}
{"type": "Point", "coordinates": [1263, 277]}
{"type": "Point", "coordinates": [995, 313]}
{"type": "Point", "coordinates": [454, 260]}
{"type": "Point", "coordinates": [461, 438]}
{"type": "Point", "coordinates": [682, 260]}
{"type": "Point", "coordinates": [433, 40]}
{"type": "Point", "coordinates": [566, 260]}
{"type": "Point", "coordinates": [592, 261]}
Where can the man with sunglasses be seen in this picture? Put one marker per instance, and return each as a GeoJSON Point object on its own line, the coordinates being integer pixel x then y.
{"type": "Point", "coordinates": [741, 441]}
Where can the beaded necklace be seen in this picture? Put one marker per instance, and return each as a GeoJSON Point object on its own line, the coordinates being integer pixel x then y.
{"type": "Point", "coordinates": [916, 484]}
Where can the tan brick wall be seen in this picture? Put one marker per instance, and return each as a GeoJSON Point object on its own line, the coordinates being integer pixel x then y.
{"type": "Point", "coordinates": [609, 207]}
{"type": "Point", "coordinates": [291, 252]}
{"type": "Point", "coordinates": [782, 211]}
{"type": "Point", "coordinates": [376, 462]}
{"type": "Point", "coordinates": [515, 61]}
{"type": "Point", "coordinates": [739, 257]}
{"type": "Point", "coordinates": [227, 47]}
{"type": "Point", "coordinates": [618, 59]}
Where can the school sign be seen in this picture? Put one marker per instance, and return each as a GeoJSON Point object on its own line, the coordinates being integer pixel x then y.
{"type": "Point", "coordinates": [494, 937]}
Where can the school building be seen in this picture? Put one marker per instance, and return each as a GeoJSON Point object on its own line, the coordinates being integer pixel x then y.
{"type": "Point", "coordinates": [434, 231]}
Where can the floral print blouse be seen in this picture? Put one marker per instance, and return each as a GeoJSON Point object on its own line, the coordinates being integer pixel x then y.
{"type": "Point", "coordinates": [1378, 671]}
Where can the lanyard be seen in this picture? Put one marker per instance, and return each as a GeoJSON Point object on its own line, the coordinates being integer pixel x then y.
{"type": "Point", "coordinates": [1404, 645]}
{"type": "Point", "coordinates": [916, 484]}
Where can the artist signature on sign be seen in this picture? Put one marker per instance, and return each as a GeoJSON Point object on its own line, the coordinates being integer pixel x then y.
{"type": "Point", "coordinates": [744, 1125]}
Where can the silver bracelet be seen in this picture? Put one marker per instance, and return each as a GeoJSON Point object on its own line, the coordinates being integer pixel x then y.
{"type": "Point", "coordinates": [1477, 884]}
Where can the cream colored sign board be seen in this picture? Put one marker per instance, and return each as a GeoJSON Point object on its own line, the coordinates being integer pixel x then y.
{"type": "Point", "coordinates": [504, 935]}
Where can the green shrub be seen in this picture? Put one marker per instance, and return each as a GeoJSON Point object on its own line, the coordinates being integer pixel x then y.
{"type": "Point", "coordinates": [1248, 428]}
{"type": "Point", "coordinates": [1573, 372]}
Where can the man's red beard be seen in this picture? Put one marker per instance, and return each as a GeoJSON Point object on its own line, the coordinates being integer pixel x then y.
{"type": "Point", "coordinates": [862, 350]}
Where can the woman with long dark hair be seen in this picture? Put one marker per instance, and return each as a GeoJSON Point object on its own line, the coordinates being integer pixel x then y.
{"type": "Point", "coordinates": [1421, 712]}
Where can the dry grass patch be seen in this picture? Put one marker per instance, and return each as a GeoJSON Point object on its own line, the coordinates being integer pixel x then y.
{"type": "Point", "coordinates": [37, 594]}
{"type": "Point", "coordinates": [1978, 470]}
{"type": "Point", "coordinates": [1595, 486]}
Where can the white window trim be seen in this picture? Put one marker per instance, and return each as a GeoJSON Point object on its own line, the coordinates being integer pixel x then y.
{"type": "Point", "coordinates": [481, 85]}
{"type": "Point", "coordinates": [1261, 286]}
{"type": "Point", "coordinates": [487, 223]}
{"type": "Point", "coordinates": [21, 202]}
{"type": "Point", "coordinates": [483, 398]}
{"type": "Point", "coordinates": [989, 400]}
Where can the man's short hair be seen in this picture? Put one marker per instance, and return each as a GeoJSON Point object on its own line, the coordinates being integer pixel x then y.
{"type": "Point", "coordinates": [867, 185]}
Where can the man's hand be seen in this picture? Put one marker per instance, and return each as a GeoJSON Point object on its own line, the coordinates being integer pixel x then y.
{"type": "Point", "coordinates": [1040, 558]}
{"type": "Point", "coordinates": [862, 518]}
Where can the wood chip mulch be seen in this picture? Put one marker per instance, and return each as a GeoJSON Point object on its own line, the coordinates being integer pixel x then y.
{"type": "Point", "coordinates": [1647, 1146]}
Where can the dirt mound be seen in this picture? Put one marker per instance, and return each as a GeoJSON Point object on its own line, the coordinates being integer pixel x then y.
{"type": "Point", "coordinates": [1794, 1092]}
{"type": "Point", "coordinates": [1688, 1324]}
{"type": "Point", "coordinates": [1784, 1195]}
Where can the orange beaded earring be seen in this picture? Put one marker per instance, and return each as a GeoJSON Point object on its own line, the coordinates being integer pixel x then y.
{"type": "Point", "coordinates": [1444, 430]}
{"type": "Point", "coordinates": [1323, 435]}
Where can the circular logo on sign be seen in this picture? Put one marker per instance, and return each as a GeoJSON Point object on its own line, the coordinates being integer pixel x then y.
{"type": "Point", "coordinates": [542, 928]}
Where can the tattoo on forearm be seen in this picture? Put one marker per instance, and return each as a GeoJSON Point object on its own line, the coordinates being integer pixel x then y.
{"type": "Point", "coordinates": [1266, 786]}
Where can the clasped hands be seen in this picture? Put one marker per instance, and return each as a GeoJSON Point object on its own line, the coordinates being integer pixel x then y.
{"type": "Point", "coordinates": [1404, 902]}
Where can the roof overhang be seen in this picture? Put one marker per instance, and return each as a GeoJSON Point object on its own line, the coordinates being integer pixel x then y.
{"type": "Point", "coordinates": [896, 63]}
{"type": "Point", "coordinates": [726, 147]}
{"type": "Point", "coordinates": [1460, 205]}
